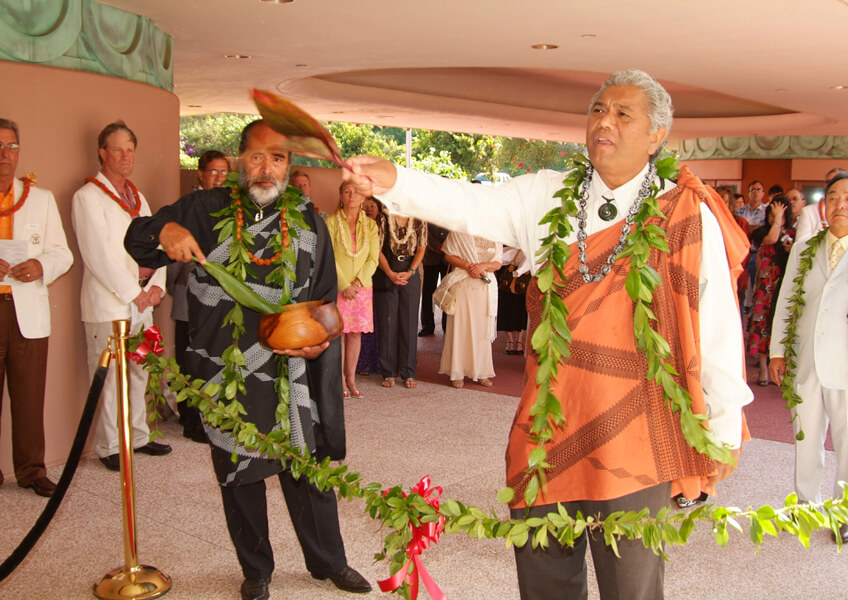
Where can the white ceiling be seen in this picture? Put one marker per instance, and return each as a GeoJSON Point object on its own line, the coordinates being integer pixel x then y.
{"type": "Point", "coordinates": [733, 67]}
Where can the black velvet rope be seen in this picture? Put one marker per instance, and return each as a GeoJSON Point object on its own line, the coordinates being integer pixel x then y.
{"type": "Point", "coordinates": [18, 555]}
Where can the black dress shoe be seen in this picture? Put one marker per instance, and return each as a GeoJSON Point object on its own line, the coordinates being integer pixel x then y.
{"type": "Point", "coordinates": [255, 589]}
{"type": "Point", "coordinates": [154, 449]}
{"type": "Point", "coordinates": [42, 486]}
{"type": "Point", "coordinates": [111, 462]}
{"type": "Point", "coordinates": [843, 533]}
{"type": "Point", "coordinates": [347, 580]}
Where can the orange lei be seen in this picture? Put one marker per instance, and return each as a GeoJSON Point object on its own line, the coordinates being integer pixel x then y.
{"type": "Point", "coordinates": [108, 192]}
{"type": "Point", "coordinates": [284, 229]}
{"type": "Point", "coordinates": [8, 213]}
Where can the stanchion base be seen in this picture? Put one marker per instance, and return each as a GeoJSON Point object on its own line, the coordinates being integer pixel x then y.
{"type": "Point", "coordinates": [140, 583]}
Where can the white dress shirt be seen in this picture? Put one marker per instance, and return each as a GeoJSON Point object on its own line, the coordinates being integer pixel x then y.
{"type": "Point", "coordinates": [510, 214]}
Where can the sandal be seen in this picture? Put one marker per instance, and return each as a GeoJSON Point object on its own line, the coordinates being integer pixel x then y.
{"type": "Point", "coordinates": [457, 383]}
{"type": "Point", "coordinates": [410, 383]}
{"type": "Point", "coordinates": [510, 348]}
{"type": "Point", "coordinates": [388, 382]}
{"type": "Point", "coordinates": [519, 348]}
{"type": "Point", "coordinates": [345, 394]}
{"type": "Point", "coordinates": [485, 382]}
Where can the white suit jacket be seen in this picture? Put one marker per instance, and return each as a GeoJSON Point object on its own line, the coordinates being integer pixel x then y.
{"type": "Point", "coordinates": [39, 224]}
{"type": "Point", "coordinates": [822, 347]}
{"type": "Point", "coordinates": [110, 278]}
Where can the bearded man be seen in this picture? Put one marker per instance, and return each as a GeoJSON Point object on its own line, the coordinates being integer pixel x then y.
{"type": "Point", "coordinates": [621, 447]}
{"type": "Point", "coordinates": [187, 229]}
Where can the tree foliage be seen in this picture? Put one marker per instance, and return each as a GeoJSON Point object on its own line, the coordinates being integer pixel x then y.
{"type": "Point", "coordinates": [358, 139]}
{"type": "Point", "coordinates": [518, 156]}
{"type": "Point", "coordinates": [200, 133]}
{"type": "Point", "coordinates": [439, 163]}
{"type": "Point", "coordinates": [471, 153]}
{"type": "Point", "coordinates": [451, 154]}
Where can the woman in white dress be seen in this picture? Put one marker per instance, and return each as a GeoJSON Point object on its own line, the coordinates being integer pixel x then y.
{"type": "Point", "coordinates": [471, 328]}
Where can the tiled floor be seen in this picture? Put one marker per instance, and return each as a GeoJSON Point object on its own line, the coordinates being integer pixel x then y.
{"type": "Point", "coordinates": [395, 437]}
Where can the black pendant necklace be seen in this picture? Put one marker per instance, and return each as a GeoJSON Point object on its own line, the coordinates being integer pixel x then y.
{"type": "Point", "coordinates": [607, 211]}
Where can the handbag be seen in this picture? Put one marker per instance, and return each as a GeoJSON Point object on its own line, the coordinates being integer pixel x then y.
{"type": "Point", "coordinates": [445, 298]}
{"type": "Point", "coordinates": [518, 285]}
{"type": "Point", "coordinates": [504, 277]}
{"type": "Point", "coordinates": [509, 283]}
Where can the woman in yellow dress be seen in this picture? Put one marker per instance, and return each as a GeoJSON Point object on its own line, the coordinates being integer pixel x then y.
{"type": "Point", "coordinates": [356, 245]}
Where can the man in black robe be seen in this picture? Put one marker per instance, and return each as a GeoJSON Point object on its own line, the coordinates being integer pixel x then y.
{"type": "Point", "coordinates": [186, 229]}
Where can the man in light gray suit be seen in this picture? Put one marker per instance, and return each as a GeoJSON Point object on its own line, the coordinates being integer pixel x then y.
{"type": "Point", "coordinates": [821, 378]}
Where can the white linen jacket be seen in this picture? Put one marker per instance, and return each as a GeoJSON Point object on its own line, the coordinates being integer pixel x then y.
{"type": "Point", "coordinates": [39, 224]}
{"type": "Point", "coordinates": [822, 347]}
{"type": "Point", "coordinates": [110, 279]}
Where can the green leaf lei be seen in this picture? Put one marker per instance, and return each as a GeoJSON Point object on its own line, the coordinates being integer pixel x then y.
{"type": "Point", "coordinates": [795, 308]}
{"type": "Point", "coordinates": [282, 276]}
{"type": "Point", "coordinates": [552, 336]}
{"type": "Point", "coordinates": [396, 511]}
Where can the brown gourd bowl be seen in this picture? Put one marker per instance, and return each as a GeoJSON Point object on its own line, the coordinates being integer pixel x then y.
{"type": "Point", "coordinates": [300, 325]}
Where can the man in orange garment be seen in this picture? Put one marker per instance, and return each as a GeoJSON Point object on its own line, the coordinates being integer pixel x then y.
{"type": "Point", "coordinates": [621, 448]}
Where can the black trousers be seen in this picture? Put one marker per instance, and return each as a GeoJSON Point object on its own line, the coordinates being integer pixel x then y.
{"type": "Point", "coordinates": [396, 312]}
{"type": "Point", "coordinates": [313, 513]}
{"type": "Point", "coordinates": [429, 285]}
{"type": "Point", "coordinates": [560, 573]}
{"type": "Point", "coordinates": [189, 415]}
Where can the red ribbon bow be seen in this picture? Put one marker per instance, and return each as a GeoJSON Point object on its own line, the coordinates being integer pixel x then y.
{"type": "Point", "coordinates": [422, 535]}
{"type": "Point", "coordinates": [151, 343]}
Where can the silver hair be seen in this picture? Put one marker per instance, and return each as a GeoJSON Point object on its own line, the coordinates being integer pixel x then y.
{"type": "Point", "coordinates": [11, 126]}
{"type": "Point", "coordinates": [659, 109]}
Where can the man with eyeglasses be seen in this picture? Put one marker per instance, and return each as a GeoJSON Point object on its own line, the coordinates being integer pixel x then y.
{"type": "Point", "coordinates": [32, 230]}
{"type": "Point", "coordinates": [212, 169]}
{"type": "Point", "coordinates": [755, 211]}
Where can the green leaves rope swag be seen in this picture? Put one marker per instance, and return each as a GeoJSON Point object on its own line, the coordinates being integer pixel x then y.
{"type": "Point", "coordinates": [396, 510]}
{"type": "Point", "coordinates": [795, 308]}
{"type": "Point", "coordinates": [552, 336]}
{"type": "Point", "coordinates": [281, 276]}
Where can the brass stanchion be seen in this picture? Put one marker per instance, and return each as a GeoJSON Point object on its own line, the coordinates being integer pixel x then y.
{"type": "Point", "coordinates": [138, 582]}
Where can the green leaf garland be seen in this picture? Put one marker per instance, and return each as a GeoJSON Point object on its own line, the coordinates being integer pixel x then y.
{"type": "Point", "coordinates": [790, 340]}
{"type": "Point", "coordinates": [395, 511]}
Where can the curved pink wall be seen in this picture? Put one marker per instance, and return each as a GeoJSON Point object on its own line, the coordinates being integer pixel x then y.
{"type": "Point", "coordinates": [60, 113]}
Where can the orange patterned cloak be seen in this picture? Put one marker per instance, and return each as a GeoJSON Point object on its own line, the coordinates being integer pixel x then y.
{"type": "Point", "coordinates": [619, 436]}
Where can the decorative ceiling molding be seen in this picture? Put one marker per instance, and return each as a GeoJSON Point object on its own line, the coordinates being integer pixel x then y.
{"type": "Point", "coordinates": [84, 35]}
{"type": "Point", "coordinates": [804, 146]}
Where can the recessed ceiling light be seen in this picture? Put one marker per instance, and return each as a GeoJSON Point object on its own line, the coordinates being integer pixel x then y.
{"type": "Point", "coordinates": [237, 56]}
{"type": "Point", "coordinates": [589, 36]}
{"type": "Point", "coordinates": [338, 112]}
{"type": "Point", "coordinates": [277, 1]}
{"type": "Point", "coordinates": [195, 106]}
{"type": "Point", "coordinates": [544, 46]}
{"type": "Point", "coordinates": [838, 87]}
{"type": "Point", "coordinates": [301, 65]}
{"type": "Point", "coordinates": [780, 90]}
